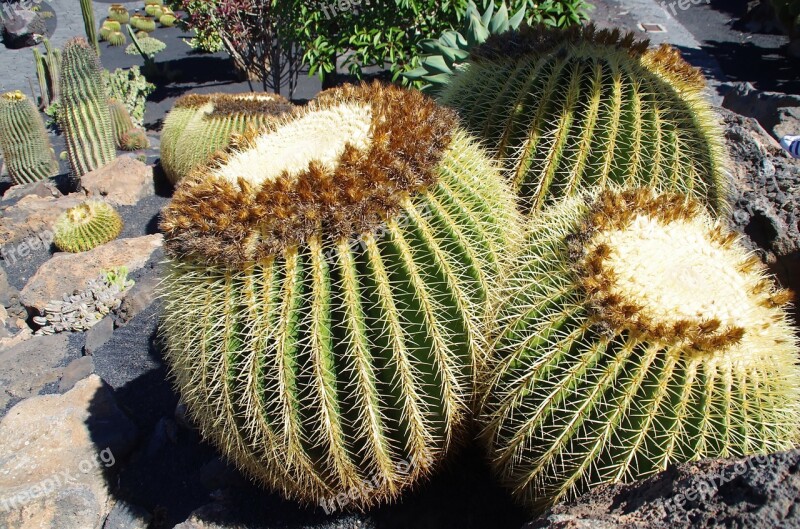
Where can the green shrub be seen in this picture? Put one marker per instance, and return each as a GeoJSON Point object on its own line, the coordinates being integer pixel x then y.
{"type": "Point", "coordinates": [131, 88]}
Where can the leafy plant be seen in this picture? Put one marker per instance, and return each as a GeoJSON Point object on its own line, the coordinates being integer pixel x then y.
{"type": "Point", "coordinates": [131, 88]}
{"type": "Point", "coordinates": [118, 276]}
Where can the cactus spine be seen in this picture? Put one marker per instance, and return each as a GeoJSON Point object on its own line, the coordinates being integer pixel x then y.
{"type": "Point", "coordinates": [570, 109]}
{"type": "Point", "coordinates": [87, 10]}
{"type": "Point", "coordinates": [23, 140]}
{"type": "Point", "coordinates": [636, 332]}
{"type": "Point", "coordinates": [86, 226]}
{"type": "Point", "coordinates": [85, 115]}
{"type": "Point", "coordinates": [200, 125]}
{"type": "Point", "coordinates": [120, 120]}
{"type": "Point", "coordinates": [134, 140]}
{"type": "Point", "coordinates": [328, 277]}
{"type": "Point", "coordinates": [119, 13]}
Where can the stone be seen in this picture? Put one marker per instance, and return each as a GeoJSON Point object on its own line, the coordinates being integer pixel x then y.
{"type": "Point", "coordinates": [9, 298]}
{"type": "Point", "coordinates": [142, 295]}
{"type": "Point", "coordinates": [76, 371]}
{"type": "Point", "coordinates": [24, 28]}
{"type": "Point", "coordinates": [56, 455]}
{"type": "Point", "coordinates": [99, 335]}
{"type": "Point", "coordinates": [778, 113]}
{"type": "Point", "coordinates": [126, 516]}
{"type": "Point", "coordinates": [31, 220]}
{"type": "Point", "coordinates": [123, 182]}
{"type": "Point", "coordinates": [65, 272]}
{"type": "Point", "coordinates": [42, 189]}
{"type": "Point", "coordinates": [759, 492]}
{"type": "Point", "coordinates": [28, 367]}
{"type": "Point", "coordinates": [210, 516]}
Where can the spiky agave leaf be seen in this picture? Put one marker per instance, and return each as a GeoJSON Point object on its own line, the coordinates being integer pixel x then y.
{"type": "Point", "coordinates": [24, 143]}
{"type": "Point", "coordinates": [443, 56]}
{"type": "Point", "coordinates": [570, 109]}
{"type": "Point", "coordinates": [635, 332]}
{"type": "Point", "coordinates": [86, 226]}
{"type": "Point", "coordinates": [328, 278]}
{"type": "Point", "coordinates": [201, 124]}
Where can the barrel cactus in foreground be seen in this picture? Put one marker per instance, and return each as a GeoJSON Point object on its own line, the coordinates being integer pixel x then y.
{"type": "Point", "coordinates": [636, 332]}
{"type": "Point", "coordinates": [86, 226]}
{"type": "Point", "coordinates": [201, 124]}
{"type": "Point", "coordinates": [23, 140]}
{"type": "Point", "coordinates": [327, 283]}
{"type": "Point", "coordinates": [85, 115]}
{"type": "Point", "coordinates": [570, 109]}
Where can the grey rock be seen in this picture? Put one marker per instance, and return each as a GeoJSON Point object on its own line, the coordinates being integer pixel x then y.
{"type": "Point", "coordinates": [27, 368]}
{"type": "Point", "coordinates": [138, 298]}
{"type": "Point", "coordinates": [23, 29]}
{"type": "Point", "coordinates": [210, 516]}
{"type": "Point", "coordinates": [126, 516]}
{"type": "Point", "coordinates": [778, 113]}
{"type": "Point", "coordinates": [760, 492]}
{"type": "Point", "coordinates": [99, 335]}
{"type": "Point", "coordinates": [76, 371]}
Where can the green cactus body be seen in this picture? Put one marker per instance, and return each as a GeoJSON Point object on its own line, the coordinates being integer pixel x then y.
{"type": "Point", "coordinates": [134, 140]}
{"type": "Point", "coordinates": [200, 125]}
{"type": "Point", "coordinates": [143, 23]}
{"type": "Point", "coordinates": [87, 10]}
{"type": "Point", "coordinates": [117, 38]}
{"type": "Point", "coordinates": [85, 115]}
{"type": "Point", "coordinates": [109, 27]}
{"type": "Point", "coordinates": [634, 333]}
{"type": "Point", "coordinates": [120, 120]}
{"type": "Point", "coordinates": [23, 140]}
{"type": "Point", "coordinates": [41, 77]}
{"type": "Point", "coordinates": [167, 20]}
{"type": "Point", "coordinates": [119, 13]}
{"type": "Point", "coordinates": [325, 292]}
{"type": "Point", "coordinates": [154, 11]}
{"type": "Point", "coordinates": [48, 73]}
{"type": "Point", "coordinates": [86, 226]}
{"type": "Point", "coordinates": [571, 109]}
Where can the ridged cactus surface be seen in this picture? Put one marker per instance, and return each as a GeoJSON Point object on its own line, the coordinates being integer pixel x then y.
{"type": "Point", "coordinates": [200, 125]}
{"type": "Point", "coordinates": [635, 333]}
{"type": "Point", "coordinates": [121, 120]}
{"type": "Point", "coordinates": [24, 143]}
{"type": "Point", "coordinates": [326, 291]}
{"type": "Point", "coordinates": [570, 109]}
{"type": "Point", "coordinates": [86, 226]}
{"type": "Point", "coordinates": [134, 140]}
{"type": "Point", "coordinates": [85, 116]}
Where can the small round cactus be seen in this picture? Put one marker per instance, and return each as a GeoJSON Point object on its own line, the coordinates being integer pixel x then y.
{"type": "Point", "coordinates": [571, 109]}
{"type": "Point", "coordinates": [86, 226]}
{"type": "Point", "coordinates": [134, 140]}
{"type": "Point", "coordinates": [154, 11]}
{"type": "Point", "coordinates": [201, 124]}
{"type": "Point", "coordinates": [327, 283]}
{"type": "Point", "coordinates": [119, 13]}
{"type": "Point", "coordinates": [636, 332]}
{"type": "Point", "coordinates": [108, 27]}
{"type": "Point", "coordinates": [167, 20]}
{"type": "Point", "coordinates": [143, 23]}
{"type": "Point", "coordinates": [116, 38]}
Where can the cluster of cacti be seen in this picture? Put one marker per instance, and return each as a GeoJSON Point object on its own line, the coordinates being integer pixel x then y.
{"type": "Point", "coordinates": [87, 10]}
{"type": "Point", "coordinates": [446, 54]}
{"type": "Point", "coordinates": [48, 74]}
{"type": "Point", "coordinates": [119, 13]}
{"type": "Point", "coordinates": [121, 122]}
{"type": "Point", "coordinates": [85, 115]}
{"type": "Point", "coordinates": [636, 333]}
{"type": "Point", "coordinates": [25, 146]}
{"type": "Point", "coordinates": [133, 140]}
{"type": "Point", "coordinates": [326, 288]}
{"type": "Point", "coordinates": [572, 109]}
{"type": "Point", "coordinates": [146, 45]}
{"type": "Point", "coordinates": [143, 23]}
{"type": "Point", "coordinates": [109, 26]}
{"type": "Point", "coordinates": [86, 226]}
{"type": "Point", "coordinates": [167, 18]}
{"type": "Point", "coordinates": [200, 125]}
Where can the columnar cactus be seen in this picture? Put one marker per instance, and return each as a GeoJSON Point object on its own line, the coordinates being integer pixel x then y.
{"type": "Point", "coordinates": [200, 125]}
{"type": "Point", "coordinates": [327, 282]}
{"type": "Point", "coordinates": [86, 226]}
{"type": "Point", "coordinates": [23, 140]}
{"type": "Point", "coordinates": [635, 332]}
{"type": "Point", "coordinates": [121, 121]}
{"type": "Point", "coordinates": [570, 109]}
{"type": "Point", "coordinates": [48, 73]}
{"type": "Point", "coordinates": [85, 115]}
{"type": "Point", "coordinates": [87, 11]}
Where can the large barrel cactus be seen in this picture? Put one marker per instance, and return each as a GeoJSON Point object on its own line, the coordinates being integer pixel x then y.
{"type": "Point", "coordinates": [326, 290]}
{"type": "Point", "coordinates": [570, 109]}
{"type": "Point", "coordinates": [23, 140]}
{"type": "Point", "coordinates": [201, 124]}
{"type": "Point", "coordinates": [636, 332]}
{"type": "Point", "coordinates": [85, 115]}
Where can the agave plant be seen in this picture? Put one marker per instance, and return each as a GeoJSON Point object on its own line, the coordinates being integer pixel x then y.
{"type": "Point", "coordinates": [444, 55]}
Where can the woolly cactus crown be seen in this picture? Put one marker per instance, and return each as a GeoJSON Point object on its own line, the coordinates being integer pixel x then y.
{"type": "Point", "coordinates": [327, 289]}
{"type": "Point", "coordinates": [569, 109]}
{"type": "Point", "coordinates": [636, 333]}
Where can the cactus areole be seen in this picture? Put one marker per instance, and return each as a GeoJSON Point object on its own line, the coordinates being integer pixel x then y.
{"type": "Point", "coordinates": [328, 282]}
{"type": "Point", "coordinates": [636, 333]}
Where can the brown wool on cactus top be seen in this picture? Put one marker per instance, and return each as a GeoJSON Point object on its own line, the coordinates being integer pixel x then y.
{"type": "Point", "coordinates": [540, 40]}
{"type": "Point", "coordinates": [229, 104]}
{"type": "Point", "coordinates": [334, 169]}
{"type": "Point", "coordinates": [699, 298]}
